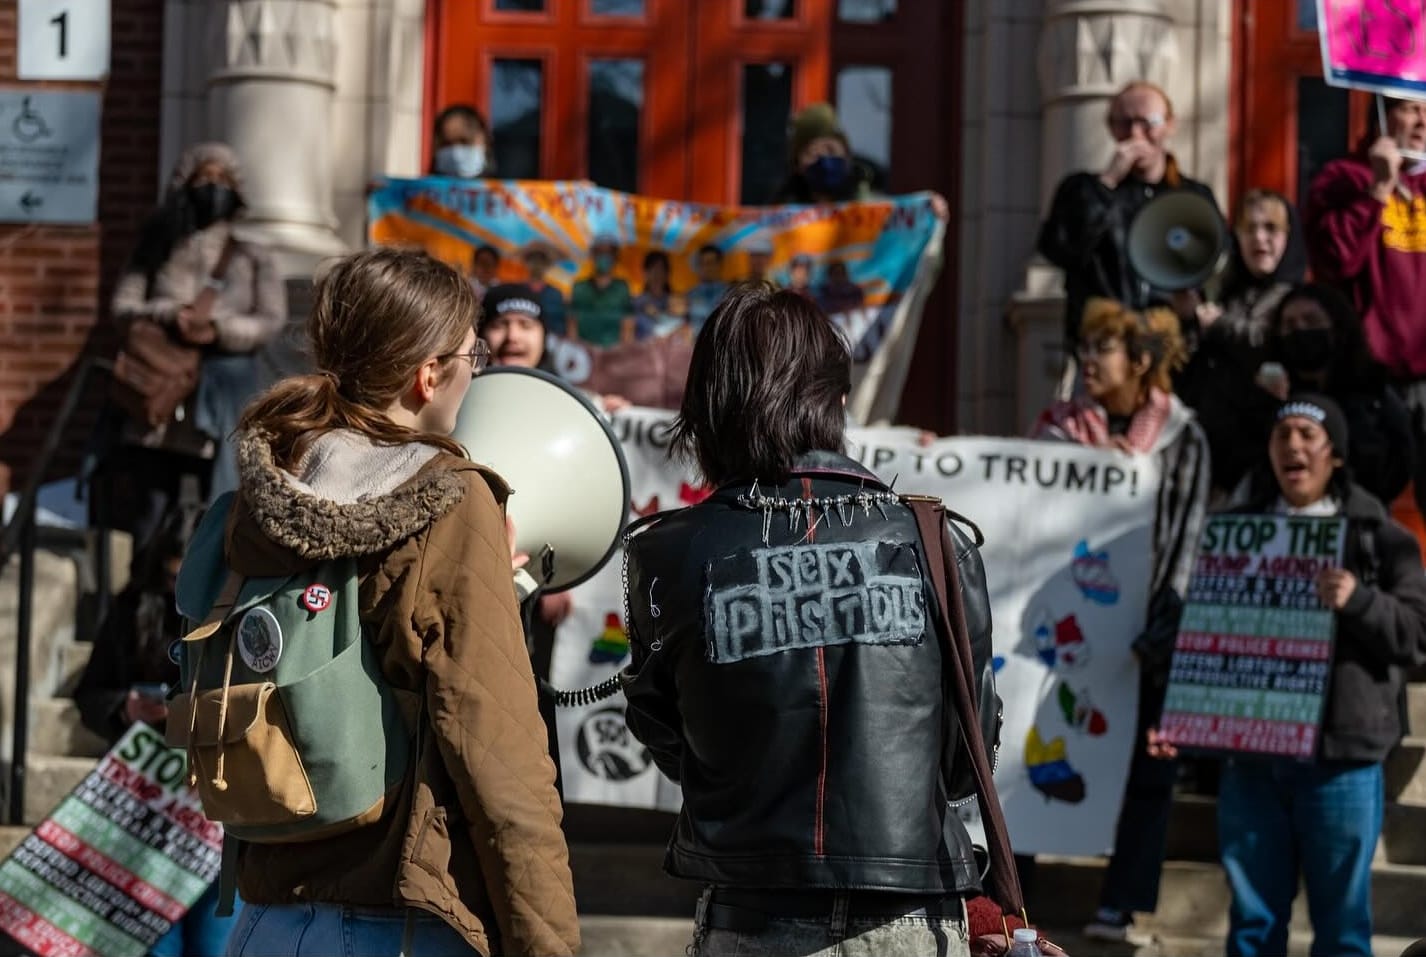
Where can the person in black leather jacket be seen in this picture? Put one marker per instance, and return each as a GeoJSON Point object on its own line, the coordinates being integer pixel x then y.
{"type": "Point", "coordinates": [787, 666]}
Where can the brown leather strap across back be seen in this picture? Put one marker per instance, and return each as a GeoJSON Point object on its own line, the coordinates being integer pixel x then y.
{"type": "Point", "coordinates": [1002, 882]}
{"type": "Point", "coordinates": [208, 297]}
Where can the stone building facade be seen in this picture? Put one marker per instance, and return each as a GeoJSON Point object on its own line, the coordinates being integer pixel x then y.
{"type": "Point", "coordinates": [322, 96]}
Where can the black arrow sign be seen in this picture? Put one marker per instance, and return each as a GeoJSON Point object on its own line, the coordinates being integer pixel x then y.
{"type": "Point", "coordinates": [29, 201]}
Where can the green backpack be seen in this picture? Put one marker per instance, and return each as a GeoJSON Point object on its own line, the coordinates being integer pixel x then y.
{"type": "Point", "coordinates": [291, 730]}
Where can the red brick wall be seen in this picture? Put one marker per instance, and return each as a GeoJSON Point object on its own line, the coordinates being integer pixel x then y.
{"type": "Point", "coordinates": [55, 280]}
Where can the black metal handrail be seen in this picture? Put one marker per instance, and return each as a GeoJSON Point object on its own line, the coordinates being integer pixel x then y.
{"type": "Point", "coordinates": [20, 535]}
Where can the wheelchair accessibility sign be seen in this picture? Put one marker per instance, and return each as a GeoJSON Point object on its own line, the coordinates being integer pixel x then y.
{"type": "Point", "coordinates": [49, 156]}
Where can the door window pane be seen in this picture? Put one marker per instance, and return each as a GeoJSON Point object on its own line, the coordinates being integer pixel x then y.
{"type": "Point", "coordinates": [767, 106]}
{"type": "Point", "coordinates": [616, 104]}
{"type": "Point", "coordinates": [1322, 129]}
{"type": "Point", "coordinates": [866, 11]}
{"type": "Point", "coordinates": [864, 107]}
{"type": "Point", "coordinates": [770, 9]}
{"type": "Point", "coordinates": [617, 8]}
{"type": "Point", "coordinates": [1307, 15]}
{"type": "Point", "coordinates": [520, 6]}
{"type": "Point", "coordinates": [516, 90]}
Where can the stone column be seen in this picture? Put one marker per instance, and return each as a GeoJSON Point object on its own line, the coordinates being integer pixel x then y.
{"type": "Point", "coordinates": [1088, 50]}
{"type": "Point", "coordinates": [271, 91]}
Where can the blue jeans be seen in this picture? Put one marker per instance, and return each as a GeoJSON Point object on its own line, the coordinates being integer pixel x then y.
{"type": "Point", "coordinates": [335, 930]}
{"type": "Point", "coordinates": [200, 933]}
{"type": "Point", "coordinates": [1279, 819]}
{"type": "Point", "coordinates": [840, 933]}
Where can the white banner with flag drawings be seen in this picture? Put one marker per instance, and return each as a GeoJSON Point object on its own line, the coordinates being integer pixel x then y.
{"type": "Point", "coordinates": [1068, 536]}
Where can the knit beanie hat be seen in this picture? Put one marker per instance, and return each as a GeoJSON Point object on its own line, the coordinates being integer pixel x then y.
{"type": "Point", "coordinates": [1323, 411]}
{"type": "Point", "coordinates": [510, 297]}
{"type": "Point", "coordinates": [812, 123]}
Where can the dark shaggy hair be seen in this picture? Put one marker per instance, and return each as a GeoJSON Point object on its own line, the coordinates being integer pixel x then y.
{"type": "Point", "coordinates": [766, 384]}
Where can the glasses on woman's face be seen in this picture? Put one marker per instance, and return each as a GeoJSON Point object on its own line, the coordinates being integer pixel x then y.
{"type": "Point", "coordinates": [478, 357]}
{"type": "Point", "coordinates": [1099, 347]}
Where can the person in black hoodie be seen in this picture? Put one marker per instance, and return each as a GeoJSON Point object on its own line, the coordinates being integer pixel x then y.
{"type": "Point", "coordinates": [1316, 337]}
{"type": "Point", "coordinates": [1322, 818]}
{"type": "Point", "coordinates": [1229, 342]}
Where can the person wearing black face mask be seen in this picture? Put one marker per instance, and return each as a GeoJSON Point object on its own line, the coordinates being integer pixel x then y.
{"type": "Point", "coordinates": [207, 289]}
{"type": "Point", "coordinates": [822, 167]}
{"type": "Point", "coordinates": [1316, 342]}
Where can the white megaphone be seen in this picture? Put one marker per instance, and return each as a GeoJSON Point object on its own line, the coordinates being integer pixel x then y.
{"type": "Point", "coordinates": [1178, 241]}
{"type": "Point", "coordinates": [569, 480]}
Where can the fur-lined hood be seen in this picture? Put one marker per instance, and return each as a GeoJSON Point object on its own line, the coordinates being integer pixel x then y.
{"type": "Point", "coordinates": [350, 496]}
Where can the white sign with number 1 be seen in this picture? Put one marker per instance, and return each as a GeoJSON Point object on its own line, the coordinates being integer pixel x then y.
{"type": "Point", "coordinates": [64, 39]}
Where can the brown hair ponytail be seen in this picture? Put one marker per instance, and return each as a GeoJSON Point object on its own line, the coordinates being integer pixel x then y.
{"type": "Point", "coordinates": [378, 315]}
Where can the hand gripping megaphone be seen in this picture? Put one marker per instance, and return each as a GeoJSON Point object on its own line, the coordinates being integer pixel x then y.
{"type": "Point", "coordinates": [569, 480]}
{"type": "Point", "coordinates": [1178, 241]}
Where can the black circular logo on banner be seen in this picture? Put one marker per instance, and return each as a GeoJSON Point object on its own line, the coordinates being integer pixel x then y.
{"type": "Point", "coordinates": [607, 748]}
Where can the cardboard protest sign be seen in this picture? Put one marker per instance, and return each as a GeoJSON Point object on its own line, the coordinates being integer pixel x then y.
{"type": "Point", "coordinates": [1068, 540]}
{"type": "Point", "coordinates": [1377, 45]}
{"type": "Point", "coordinates": [118, 862]}
{"type": "Point", "coordinates": [1254, 647]}
{"type": "Point", "coordinates": [869, 265]}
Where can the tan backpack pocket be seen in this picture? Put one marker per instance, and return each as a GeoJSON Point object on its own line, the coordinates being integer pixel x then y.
{"type": "Point", "coordinates": [242, 753]}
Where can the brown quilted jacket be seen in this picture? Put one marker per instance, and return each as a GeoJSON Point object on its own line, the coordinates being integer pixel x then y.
{"type": "Point", "coordinates": [476, 837]}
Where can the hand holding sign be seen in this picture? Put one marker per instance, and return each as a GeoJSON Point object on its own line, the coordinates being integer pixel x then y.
{"type": "Point", "coordinates": [1385, 157]}
{"type": "Point", "coordinates": [1336, 586]}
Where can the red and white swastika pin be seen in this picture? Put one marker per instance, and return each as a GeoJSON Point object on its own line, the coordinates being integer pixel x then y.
{"type": "Point", "coordinates": [317, 598]}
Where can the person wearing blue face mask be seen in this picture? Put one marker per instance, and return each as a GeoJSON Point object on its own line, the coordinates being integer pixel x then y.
{"type": "Point", "coordinates": [461, 144]}
{"type": "Point", "coordinates": [823, 170]}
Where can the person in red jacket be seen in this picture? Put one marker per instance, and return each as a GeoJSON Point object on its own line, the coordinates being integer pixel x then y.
{"type": "Point", "coordinates": [1366, 229]}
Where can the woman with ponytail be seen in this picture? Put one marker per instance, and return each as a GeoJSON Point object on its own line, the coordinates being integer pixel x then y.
{"type": "Point", "coordinates": [1128, 359]}
{"type": "Point", "coordinates": [356, 459]}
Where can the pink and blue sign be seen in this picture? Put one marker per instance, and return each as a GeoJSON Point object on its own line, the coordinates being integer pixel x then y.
{"type": "Point", "coordinates": [1377, 45]}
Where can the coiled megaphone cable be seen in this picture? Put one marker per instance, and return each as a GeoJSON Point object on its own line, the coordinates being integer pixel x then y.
{"type": "Point", "coordinates": [583, 697]}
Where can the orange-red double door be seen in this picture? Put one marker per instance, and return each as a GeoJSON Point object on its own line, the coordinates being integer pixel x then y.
{"type": "Point", "coordinates": [662, 97]}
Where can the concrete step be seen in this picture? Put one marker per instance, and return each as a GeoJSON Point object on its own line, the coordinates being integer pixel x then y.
{"type": "Point", "coordinates": [607, 936]}
{"type": "Point", "coordinates": [627, 880]}
{"type": "Point", "coordinates": [48, 778]}
{"type": "Point", "coordinates": [1193, 828]}
{"type": "Point", "coordinates": [1405, 771]}
{"type": "Point", "coordinates": [10, 838]}
{"type": "Point", "coordinates": [1403, 835]}
{"type": "Point", "coordinates": [1193, 897]}
{"type": "Point", "coordinates": [73, 658]}
{"type": "Point", "coordinates": [1416, 708]}
{"type": "Point", "coordinates": [55, 728]}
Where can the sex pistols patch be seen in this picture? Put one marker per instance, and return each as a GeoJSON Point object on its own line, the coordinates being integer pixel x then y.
{"type": "Point", "coordinates": [768, 600]}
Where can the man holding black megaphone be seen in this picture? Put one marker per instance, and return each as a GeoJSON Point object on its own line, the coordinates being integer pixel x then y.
{"type": "Point", "coordinates": [1142, 200]}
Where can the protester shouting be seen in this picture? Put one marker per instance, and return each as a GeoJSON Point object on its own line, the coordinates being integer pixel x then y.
{"type": "Point", "coordinates": [1127, 359]}
{"type": "Point", "coordinates": [1284, 821]}
{"type": "Point", "coordinates": [1232, 341]}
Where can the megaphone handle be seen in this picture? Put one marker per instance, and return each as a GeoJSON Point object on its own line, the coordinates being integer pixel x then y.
{"type": "Point", "coordinates": [547, 564]}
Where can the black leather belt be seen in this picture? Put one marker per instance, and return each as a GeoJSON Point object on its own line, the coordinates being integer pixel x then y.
{"type": "Point", "coordinates": [748, 911]}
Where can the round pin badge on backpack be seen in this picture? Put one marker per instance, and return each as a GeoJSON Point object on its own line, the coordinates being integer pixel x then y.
{"type": "Point", "coordinates": [317, 597]}
{"type": "Point", "coordinates": [260, 640]}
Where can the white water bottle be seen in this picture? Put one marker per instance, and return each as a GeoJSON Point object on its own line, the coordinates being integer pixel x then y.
{"type": "Point", "coordinates": [1025, 943]}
